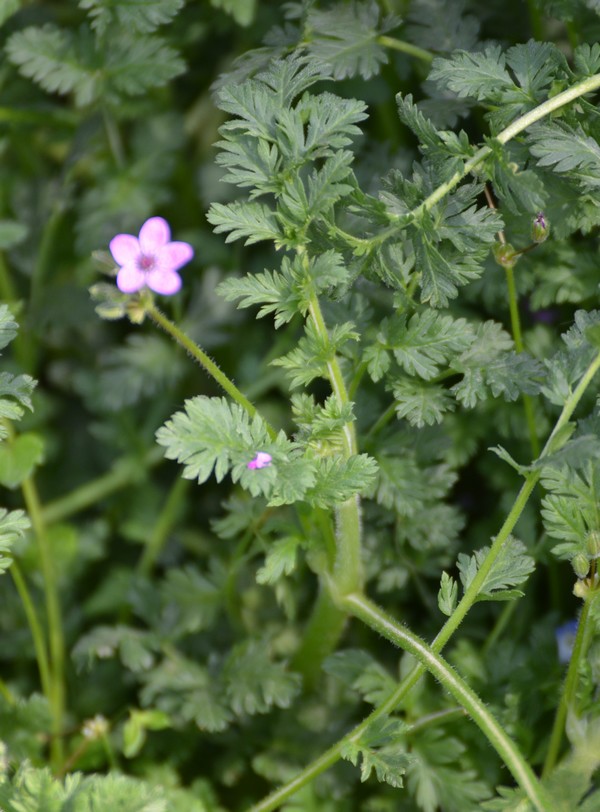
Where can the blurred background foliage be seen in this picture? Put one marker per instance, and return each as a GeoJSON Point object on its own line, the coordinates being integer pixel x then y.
{"type": "Point", "coordinates": [107, 118]}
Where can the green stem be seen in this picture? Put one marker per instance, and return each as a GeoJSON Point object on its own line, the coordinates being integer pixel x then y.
{"type": "Point", "coordinates": [207, 363]}
{"type": "Point", "coordinates": [522, 123]}
{"type": "Point", "coordinates": [582, 638]}
{"type": "Point", "coordinates": [382, 421]}
{"type": "Point", "coordinates": [515, 321]}
{"type": "Point", "coordinates": [535, 20]}
{"type": "Point", "coordinates": [405, 48]}
{"type": "Point", "coordinates": [319, 638]}
{"type": "Point", "coordinates": [331, 756]}
{"type": "Point", "coordinates": [162, 525]}
{"type": "Point", "coordinates": [55, 628]}
{"type": "Point", "coordinates": [347, 571]}
{"type": "Point", "coordinates": [502, 621]}
{"type": "Point", "coordinates": [37, 634]}
{"type": "Point", "coordinates": [362, 608]}
{"type": "Point", "coordinates": [125, 471]}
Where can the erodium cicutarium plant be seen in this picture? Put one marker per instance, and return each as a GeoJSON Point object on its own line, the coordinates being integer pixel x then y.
{"type": "Point", "coordinates": [348, 560]}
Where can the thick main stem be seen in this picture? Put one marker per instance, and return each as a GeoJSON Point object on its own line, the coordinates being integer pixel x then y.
{"type": "Point", "coordinates": [347, 570]}
{"type": "Point", "coordinates": [373, 616]}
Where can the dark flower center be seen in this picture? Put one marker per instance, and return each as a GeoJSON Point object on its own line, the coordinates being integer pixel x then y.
{"type": "Point", "coordinates": [145, 262]}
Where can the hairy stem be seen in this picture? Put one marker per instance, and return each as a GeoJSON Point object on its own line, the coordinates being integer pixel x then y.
{"type": "Point", "coordinates": [582, 639]}
{"type": "Point", "coordinates": [347, 571]}
{"type": "Point", "coordinates": [398, 222]}
{"type": "Point", "coordinates": [207, 363]}
{"type": "Point", "coordinates": [362, 608]}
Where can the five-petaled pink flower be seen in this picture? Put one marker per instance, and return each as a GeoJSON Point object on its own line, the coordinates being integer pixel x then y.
{"type": "Point", "coordinates": [150, 261]}
{"type": "Point", "coordinates": [262, 460]}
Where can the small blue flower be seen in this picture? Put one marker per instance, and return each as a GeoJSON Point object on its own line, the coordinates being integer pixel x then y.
{"type": "Point", "coordinates": [565, 639]}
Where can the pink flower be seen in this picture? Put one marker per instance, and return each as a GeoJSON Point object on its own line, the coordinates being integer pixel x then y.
{"type": "Point", "coordinates": [262, 460]}
{"type": "Point", "coordinates": [151, 260]}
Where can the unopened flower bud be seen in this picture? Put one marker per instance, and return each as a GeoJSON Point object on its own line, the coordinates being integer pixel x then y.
{"type": "Point", "coordinates": [580, 564]}
{"type": "Point", "coordinates": [580, 589]}
{"type": "Point", "coordinates": [540, 228]}
{"type": "Point", "coordinates": [593, 543]}
{"type": "Point", "coordinates": [505, 254]}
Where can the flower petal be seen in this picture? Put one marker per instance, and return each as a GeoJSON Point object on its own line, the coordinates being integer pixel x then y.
{"type": "Point", "coordinates": [154, 234]}
{"type": "Point", "coordinates": [175, 254]}
{"type": "Point", "coordinates": [163, 281]}
{"type": "Point", "coordinates": [261, 460]}
{"type": "Point", "coordinates": [125, 249]}
{"type": "Point", "coordinates": [130, 279]}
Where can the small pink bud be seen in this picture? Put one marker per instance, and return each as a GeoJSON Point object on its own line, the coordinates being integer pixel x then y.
{"type": "Point", "coordinates": [262, 460]}
{"type": "Point", "coordinates": [540, 228]}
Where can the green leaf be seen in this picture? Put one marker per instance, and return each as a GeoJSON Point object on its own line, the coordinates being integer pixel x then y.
{"type": "Point", "coordinates": [57, 60]}
{"type": "Point", "coordinates": [187, 692]}
{"type": "Point", "coordinates": [382, 749]}
{"type": "Point", "coordinates": [12, 526]}
{"type": "Point", "coordinates": [24, 722]}
{"type": "Point", "coordinates": [134, 730]}
{"type": "Point", "coordinates": [310, 358]}
{"type": "Point", "coordinates": [511, 568]}
{"type": "Point", "coordinates": [439, 775]}
{"type": "Point", "coordinates": [586, 58]}
{"type": "Point", "coordinates": [19, 458]}
{"type": "Point", "coordinates": [8, 326]}
{"type": "Point", "coordinates": [135, 648]}
{"type": "Point", "coordinates": [345, 36]}
{"type": "Point", "coordinates": [447, 595]}
{"type": "Point", "coordinates": [215, 435]}
{"type": "Point", "coordinates": [521, 190]}
{"type": "Point", "coordinates": [426, 342]}
{"type": "Point", "coordinates": [139, 16]}
{"type": "Point", "coordinates": [135, 65]}
{"type": "Point", "coordinates": [192, 600]}
{"type": "Point", "coordinates": [11, 232]}
{"type": "Point", "coordinates": [566, 149]}
{"type": "Point", "coordinates": [482, 76]}
{"type": "Point", "coordinates": [7, 9]}
{"type": "Point", "coordinates": [280, 560]}
{"type": "Point", "coordinates": [288, 291]}
{"type": "Point", "coordinates": [570, 508]}
{"type": "Point", "coordinates": [339, 478]}
{"type": "Point", "coordinates": [242, 11]}
{"type": "Point", "coordinates": [15, 396]}
{"type": "Point", "coordinates": [421, 403]}
{"type": "Point", "coordinates": [254, 221]}
{"type": "Point", "coordinates": [360, 671]}
{"type": "Point", "coordinates": [255, 683]}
